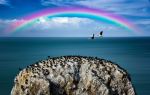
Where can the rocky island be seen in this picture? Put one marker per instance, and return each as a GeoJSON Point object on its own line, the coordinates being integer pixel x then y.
{"type": "Point", "coordinates": [73, 75]}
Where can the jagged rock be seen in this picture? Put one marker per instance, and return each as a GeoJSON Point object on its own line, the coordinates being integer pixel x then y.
{"type": "Point", "coordinates": [73, 75]}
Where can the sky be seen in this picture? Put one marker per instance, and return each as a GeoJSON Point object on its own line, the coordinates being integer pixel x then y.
{"type": "Point", "coordinates": [135, 11]}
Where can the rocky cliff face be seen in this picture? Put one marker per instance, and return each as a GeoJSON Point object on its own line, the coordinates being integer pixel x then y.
{"type": "Point", "coordinates": [73, 75]}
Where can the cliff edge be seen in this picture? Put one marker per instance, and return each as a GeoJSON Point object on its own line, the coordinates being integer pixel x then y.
{"type": "Point", "coordinates": [73, 75]}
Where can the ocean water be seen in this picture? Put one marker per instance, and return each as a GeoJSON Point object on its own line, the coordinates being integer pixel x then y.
{"type": "Point", "coordinates": [133, 54]}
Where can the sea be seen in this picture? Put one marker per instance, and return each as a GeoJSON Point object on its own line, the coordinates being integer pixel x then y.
{"type": "Point", "coordinates": [131, 53]}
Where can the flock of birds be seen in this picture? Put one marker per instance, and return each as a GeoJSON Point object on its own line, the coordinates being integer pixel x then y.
{"type": "Point", "coordinates": [100, 34]}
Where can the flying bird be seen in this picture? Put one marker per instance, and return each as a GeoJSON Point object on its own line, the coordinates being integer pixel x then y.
{"type": "Point", "coordinates": [101, 33]}
{"type": "Point", "coordinates": [92, 37]}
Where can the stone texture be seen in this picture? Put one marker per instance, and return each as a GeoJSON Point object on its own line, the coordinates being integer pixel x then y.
{"type": "Point", "coordinates": [73, 75]}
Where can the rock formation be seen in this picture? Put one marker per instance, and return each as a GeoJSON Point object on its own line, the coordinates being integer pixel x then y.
{"type": "Point", "coordinates": [73, 75]}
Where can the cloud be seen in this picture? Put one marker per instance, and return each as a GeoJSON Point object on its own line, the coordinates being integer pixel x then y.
{"type": "Point", "coordinates": [143, 22]}
{"type": "Point", "coordinates": [122, 7]}
{"type": "Point", "coordinates": [137, 11]}
{"type": "Point", "coordinates": [4, 2]}
{"type": "Point", "coordinates": [57, 26]}
{"type": "Point", "coordinates": [59, 2]}
{"type": "Point", "coordinates": [63, 23]}
{"type": "Point", "coordinates": [144, 25]}
{"type": "Point", "coordinates": [61, 27]}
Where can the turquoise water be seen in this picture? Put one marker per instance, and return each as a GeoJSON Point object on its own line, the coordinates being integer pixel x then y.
{"type": "Point", "coordinates": [133, 54]}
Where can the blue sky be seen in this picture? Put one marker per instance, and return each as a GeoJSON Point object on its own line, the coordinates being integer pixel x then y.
{"type": "Point", "coordinates": [136, 11]}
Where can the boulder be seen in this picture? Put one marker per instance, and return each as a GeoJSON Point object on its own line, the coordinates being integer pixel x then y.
{"type": "Point", "coordinates": [73, 75]}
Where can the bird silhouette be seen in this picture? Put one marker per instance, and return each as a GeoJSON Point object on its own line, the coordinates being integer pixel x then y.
{"type": "Point", "coordinates": [101, 33]}
{"type": "Point", "coordinates": [92, 37]}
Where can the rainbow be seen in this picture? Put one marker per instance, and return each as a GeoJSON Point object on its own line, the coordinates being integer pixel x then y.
{"type": "Point", "coordinates": [95, 14]}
